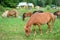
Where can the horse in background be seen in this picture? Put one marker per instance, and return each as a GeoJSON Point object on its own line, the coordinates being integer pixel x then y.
{"type": "Point", "coordinates": [57, 13]}
{"type": "Point", "coordinates": [39, 19]}
{"type": "Point", "coordinates": [9, 13]}
{"type": "Point", "coordinates": [12, 13]}
{"type": "Point", "coordinates": [27, 14]}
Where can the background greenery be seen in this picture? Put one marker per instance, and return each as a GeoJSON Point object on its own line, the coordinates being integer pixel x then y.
{"type": "Point", "coordinates": [13, 3]}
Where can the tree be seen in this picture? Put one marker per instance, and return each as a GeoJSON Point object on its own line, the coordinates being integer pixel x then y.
{"type": "Point", "coordinates": [13, 3]}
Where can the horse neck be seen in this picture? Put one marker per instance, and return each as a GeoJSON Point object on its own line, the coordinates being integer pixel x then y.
{"type": "Point", "coordinates": [29, 23]}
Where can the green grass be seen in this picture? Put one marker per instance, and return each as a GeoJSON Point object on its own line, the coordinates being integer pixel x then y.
{"type": "Point", "coordinates": [13, 29]}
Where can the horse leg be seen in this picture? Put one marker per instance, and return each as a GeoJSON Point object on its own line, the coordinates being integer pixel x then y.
{"type": "Point", "coordinates": [40, 29]}
{"type": "Point", "coordinates": [8, 15]}
{"type": "Point", "coordinates": [34, 30]}
{"type": "Point", "coordinates": [15, 15]}
{"type": "Point", "coordinates": [49, 27]}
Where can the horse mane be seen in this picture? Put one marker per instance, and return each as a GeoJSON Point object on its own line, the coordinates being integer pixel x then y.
{"type": "Point", "coordinates": [38, 11]}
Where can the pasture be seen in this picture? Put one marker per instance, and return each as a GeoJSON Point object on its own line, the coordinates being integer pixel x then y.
{"type": "Point", "coordinates": [13, 29]}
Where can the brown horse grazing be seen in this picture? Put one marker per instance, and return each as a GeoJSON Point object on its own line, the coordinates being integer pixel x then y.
{"type": "Point", "coordinates": [28, 14]}
{"type": "Point", "coordinates": [12, 13]}
{"type": "Point", "coordinates": [57, 13]}
{"type": "Point", "coordinates": [39, 19]}
{"type": "Point", "coordinates": [8, 13]}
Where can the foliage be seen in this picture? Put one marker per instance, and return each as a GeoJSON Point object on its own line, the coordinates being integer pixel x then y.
{"type": "Point", "coordinates": [13, 3]}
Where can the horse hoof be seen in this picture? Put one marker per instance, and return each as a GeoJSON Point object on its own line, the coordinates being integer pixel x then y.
{"type": "Point", "coordinates": [41, 34]}
{"type": "Point", "coordinates": [50, 31]}
{"type": "Point", "coordinates": [46, 32]}
{"type": "Point", "coordinates": [34, 34]}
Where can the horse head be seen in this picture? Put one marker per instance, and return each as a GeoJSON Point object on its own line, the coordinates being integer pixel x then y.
{"type": "Point", "coordinates": [27, 30]}
{"type": "Point", "coordinates": [56, 13]}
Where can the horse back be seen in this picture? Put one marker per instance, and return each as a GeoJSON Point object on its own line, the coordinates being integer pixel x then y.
{"type": "Point", "coordinates": [42, 18]}
{"type": "Point", "coordinates": [11, 12]}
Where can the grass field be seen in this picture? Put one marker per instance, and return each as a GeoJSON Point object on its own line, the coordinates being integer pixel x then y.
{"type": "Point", "coordinates": [13, 29]}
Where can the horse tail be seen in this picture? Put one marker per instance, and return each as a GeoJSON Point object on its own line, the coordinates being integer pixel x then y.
{"type": "Point", "coordinates": [23, 16]}
{"type": "Point", "coordinates": [53, 19]}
